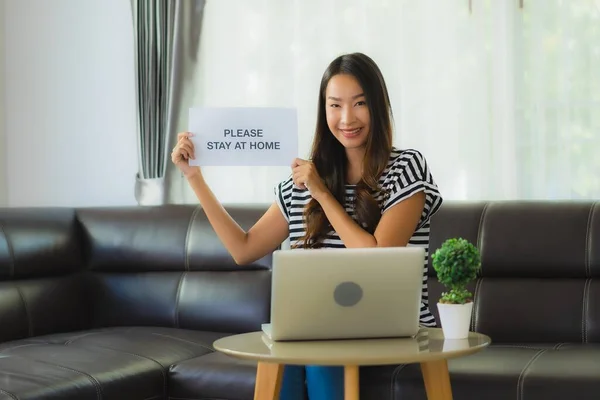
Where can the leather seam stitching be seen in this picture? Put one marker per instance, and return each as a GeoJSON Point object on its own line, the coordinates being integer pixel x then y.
{"type": "Point", "coordinates": [521, 379]}
{"type": "Point", "coordinates": [29, 320]}
{"type": "Point", "coordinates": [97, 386]}
{"type": "Point", "coordinates": [94, 381]}
{"type": "Point", "coordinates": [11, 251]}
{"type": "Point", "coordinates": [11, 395]}
{"type": "Point", "coordinates": [395, 375]}
{"type": "Point", "coordinates": [476, 305]}
{"type": "Point", "coordinates": [73, 339]}
{"type": "Point", "coordinates": [183, 340]}
{"type": "Point", "coordinates": [162, 367]}
{"type": "Point", "coordinates": [586, 291]}
{"type": "Point", "coordinates": [512, 346]}
{"type": "Point", "coordinates": [187, 238]}
{"type": "Point", "coordinates": [588, 244]}
{"type": "Point", "coordinates": [22, 345]}
{"type": "Point", "coordinates": [178, 297]}
{"type": "Point", "coordinates": [477, 283]}
{"type": "Point", "coordinates": [587, 310]}
{"type": "Point", "coordinates": [479, 230]}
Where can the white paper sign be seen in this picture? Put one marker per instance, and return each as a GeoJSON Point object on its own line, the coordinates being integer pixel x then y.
{"type": "Point", "coordinates": [244, 136]}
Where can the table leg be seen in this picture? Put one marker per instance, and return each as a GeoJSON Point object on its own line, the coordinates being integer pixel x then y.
{"type": "Point", "coordinates": [437, 380]}
{"type": "Point", "coordinates": [268, 381]}
{"type": "Point", "coordinates": [351, 383]}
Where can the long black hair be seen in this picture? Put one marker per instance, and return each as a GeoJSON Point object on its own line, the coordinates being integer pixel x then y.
{"type": "Point", "coordinates": [329, 155]}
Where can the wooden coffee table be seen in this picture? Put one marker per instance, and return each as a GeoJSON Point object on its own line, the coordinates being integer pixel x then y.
{"type": "Point", "coordinates": [429, 348]}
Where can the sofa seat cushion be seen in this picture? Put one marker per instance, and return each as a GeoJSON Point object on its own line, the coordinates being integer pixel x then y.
{"type": "Point", "coordinates": [570, 372]}
{"type": "Point", "coordinates": [123, 362]}
{"type": "Point", "coordinates": [212, 376]}
{"type": "Point", "coordinates": [501, 371]}
{"type": "Point", "coordinates": [21, 378]}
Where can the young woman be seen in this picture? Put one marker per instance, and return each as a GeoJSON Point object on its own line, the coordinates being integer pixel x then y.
{"type": "Point", "coordinates": [357, 190]}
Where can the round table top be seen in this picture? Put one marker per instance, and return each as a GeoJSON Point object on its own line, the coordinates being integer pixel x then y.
{"type": "Point", "coordinates": [428, 345]}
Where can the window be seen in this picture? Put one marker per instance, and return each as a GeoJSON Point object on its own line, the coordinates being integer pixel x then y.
{"type": "Point", "coordinates": [504, 102]}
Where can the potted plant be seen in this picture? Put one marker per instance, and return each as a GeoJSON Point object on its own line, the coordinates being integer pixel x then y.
{"type": "Point", "coordinates": [456, 263]}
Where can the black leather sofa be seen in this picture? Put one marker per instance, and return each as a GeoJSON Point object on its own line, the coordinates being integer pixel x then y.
{"type": "Point", "coordinates": [124, 303]}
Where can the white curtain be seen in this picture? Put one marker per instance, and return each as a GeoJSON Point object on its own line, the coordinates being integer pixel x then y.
{"type": "Point", "coordinates": [503, 101]}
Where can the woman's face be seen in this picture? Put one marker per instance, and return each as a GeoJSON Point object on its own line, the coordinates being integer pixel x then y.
{"type": "Point", "coordinates": [347, 113]}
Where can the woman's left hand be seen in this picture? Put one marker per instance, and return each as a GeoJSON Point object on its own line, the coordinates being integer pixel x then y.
{"type": "Point", "coordinates": [306, 176]}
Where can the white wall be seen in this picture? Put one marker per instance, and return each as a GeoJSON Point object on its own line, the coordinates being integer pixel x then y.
{"type": "Point", "coordinates": [3, 188]}
{"type": "Point", "coordinates": [70, 103]}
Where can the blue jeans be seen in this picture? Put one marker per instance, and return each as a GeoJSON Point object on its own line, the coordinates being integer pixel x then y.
{"type": "Point", "coordinates": [322, 383]}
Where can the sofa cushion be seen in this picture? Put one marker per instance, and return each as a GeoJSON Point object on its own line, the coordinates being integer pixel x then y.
{"type": "Point", "coordinates": [506, 371]}
{"type": "Point", "coordinates": [124, 362]}
{"type": "Point", "coordinates": [111, 373]}
{"type": "Point", "coordinates": [163, 346]}
{"type": "Point", "coordinates": [212, 376]}
{"type": "Point", "coordinates": [571, 372]}
{"type": "Point", "coordinates": [22, 378]}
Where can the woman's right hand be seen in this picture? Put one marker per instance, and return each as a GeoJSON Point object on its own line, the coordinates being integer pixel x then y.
{"type": "Point", "coordinates": [183, 152]}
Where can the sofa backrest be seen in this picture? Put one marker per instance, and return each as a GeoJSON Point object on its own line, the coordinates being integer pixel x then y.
{"type": "Point", "coordinates": [165, 266]}
{"type": "Point", "coordinates": [41, 286]}
{"type": "Point", "coordinates": [540, 268]}
{"type": "Point", "coordinates": [64, 270]}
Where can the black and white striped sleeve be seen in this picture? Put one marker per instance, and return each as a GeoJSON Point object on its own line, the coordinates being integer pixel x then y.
{"type": "Point", "coordinates": [409, 175]}
{"type": "Point", "coordinates": [283, 197]}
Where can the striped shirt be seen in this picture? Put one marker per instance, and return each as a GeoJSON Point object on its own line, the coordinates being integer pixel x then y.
{"type": "Point", "coordinates": [406, 174]}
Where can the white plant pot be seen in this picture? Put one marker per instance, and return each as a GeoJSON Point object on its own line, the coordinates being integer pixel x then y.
{"type": "Point", "coordinates": [455, 319]}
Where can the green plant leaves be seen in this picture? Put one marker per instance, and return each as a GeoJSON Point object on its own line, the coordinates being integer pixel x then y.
{"type": "Point", "coordinates": [456, 263]}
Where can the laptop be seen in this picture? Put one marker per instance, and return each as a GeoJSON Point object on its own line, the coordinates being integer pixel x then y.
{"type": "Point", "coordinates": [320, 294]}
